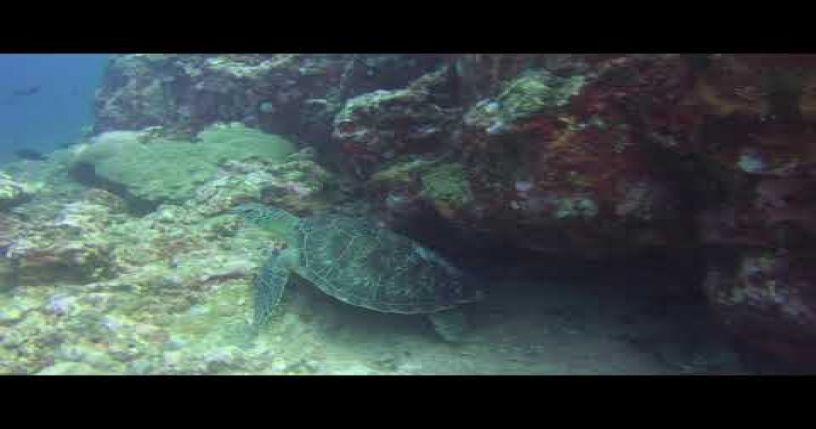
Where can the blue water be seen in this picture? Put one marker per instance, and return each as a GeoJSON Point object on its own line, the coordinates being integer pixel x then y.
{"type": "Point", "coordinates": [56, 113]}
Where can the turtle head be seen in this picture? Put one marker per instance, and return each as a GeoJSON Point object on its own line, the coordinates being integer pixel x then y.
{"type": "Point", "coordinates": [271, 218]}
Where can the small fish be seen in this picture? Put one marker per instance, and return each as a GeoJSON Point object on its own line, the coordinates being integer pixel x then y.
{"type": "Point", "coordinates": [30, 154]}
{"type": "Point", "coordinates": [12, 97]}
{"type": "Point", "coordinates": [24, 92]}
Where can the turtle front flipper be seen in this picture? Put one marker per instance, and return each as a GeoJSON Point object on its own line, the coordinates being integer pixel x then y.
{"type": "Point", "coordinates": [269, 285]}
{"type": "Point", "coordinates": [451, 324]}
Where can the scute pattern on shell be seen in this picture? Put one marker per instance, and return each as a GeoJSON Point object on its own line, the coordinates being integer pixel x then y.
{"type": "Point", "coordinates": [365, 265]}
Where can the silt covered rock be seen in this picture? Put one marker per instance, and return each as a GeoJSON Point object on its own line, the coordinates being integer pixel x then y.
{"type": "Point", "coordinates": [12, 192]}
{"type": "Point", "coordinates": [558, 160]}
{"type": "Point", "coordinates": [292, 94]}
{"type": "Point", "coordinates": [757, 208]}
{"type": "Point", "coordinates": [382, 125]}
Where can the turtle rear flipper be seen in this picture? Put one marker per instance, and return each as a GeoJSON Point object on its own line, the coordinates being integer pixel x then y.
{"type": "Point", "coordinates": [269, 285]}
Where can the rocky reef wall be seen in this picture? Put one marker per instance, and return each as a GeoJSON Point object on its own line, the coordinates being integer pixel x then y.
{"type": "Point", "coordinates": [583, 155]}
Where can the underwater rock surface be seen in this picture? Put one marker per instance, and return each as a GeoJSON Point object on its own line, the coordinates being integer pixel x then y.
{"type": "Point", "coordinates": [282, 93]}
{"type": "Point", "coordinates": [123, 255]}
{"type": "Point", "coordinates": [758, 142]}
{"type": "Point", "coordinates": [12, 192]}
{"type": "Point", "coordinates": [585, 155]}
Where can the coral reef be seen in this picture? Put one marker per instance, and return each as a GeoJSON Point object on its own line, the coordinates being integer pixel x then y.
{"type": "Point", "coordinates": [558, 158]}
{"type": "Point", "coordinates": [100, 291]}
{"type": "Point", "coordinates": [13, 192]}
{"type": "Point", "coordinates": [291, 94]}
{"type": "Point", "coordinates": [598, 155]}
{"type": "Point", "coordinates": [382, 125]}
{"type": "Point", "coordinates": [758, 139]}
{"type": "Point", "coordinates": [483, 75]}
{"type": "Point", "coordinates": [297, 184]}
{"type": "Point", "coordinates": [587, 156]}
{"type": "Point", "coordinates": [572, 154]}
{"type": "Point", "coordinates": [89, 287]}
{"type": "Point", "coordinates": [766, 297]}
{"type": "Point", "coordinates": [66, 248]}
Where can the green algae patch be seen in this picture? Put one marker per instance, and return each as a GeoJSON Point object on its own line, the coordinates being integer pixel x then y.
{"type": "Point", "coordinates": [402, 173]}
{"type": "Point", "coordinates": [447, 183]}
{"type": "Point", "coordinates": [237, 142]}
{"type": "Point", "coordinates": [537, 92]}
{"type": "Point", "coordinates": [170, 171]}
{"type": "Point", "coordinates": [161, 170]}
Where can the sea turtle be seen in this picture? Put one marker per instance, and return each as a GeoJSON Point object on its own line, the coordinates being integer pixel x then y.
{"type": "Point", "coordinates": [360, 263]}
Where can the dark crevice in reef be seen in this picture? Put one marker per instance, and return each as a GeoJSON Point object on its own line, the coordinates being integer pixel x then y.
{"type": "Point", "coordinates": [665, 282]}
{"type": "Point", "coordinates": [757, 361]}
{"type": "Point", "coordinates": [491, 257]}
{"type": "Point", "coordinates": [86, 175]}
